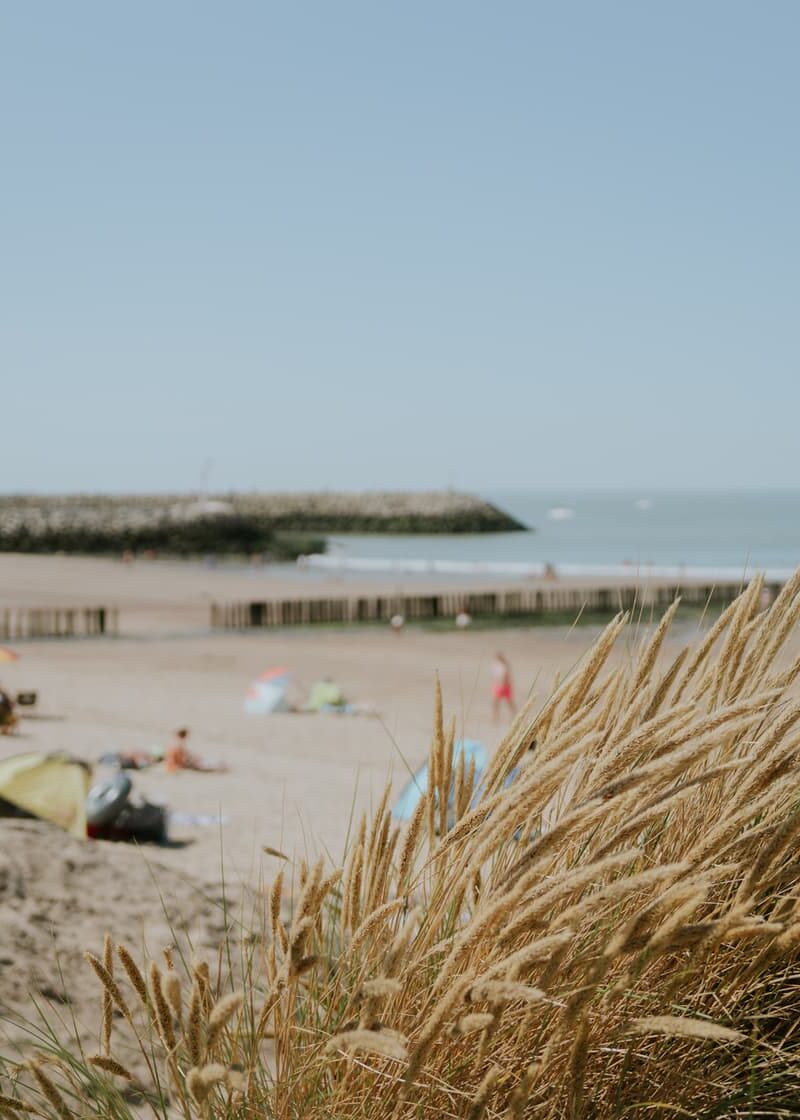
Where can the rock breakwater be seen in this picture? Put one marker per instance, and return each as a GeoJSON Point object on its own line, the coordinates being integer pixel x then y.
{"type": "Point", "coordinates": [278, 525]}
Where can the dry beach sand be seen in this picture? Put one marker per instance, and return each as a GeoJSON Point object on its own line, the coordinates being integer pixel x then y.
{"type": "Point", "coordinates": [295, 782]}
{"type": "Point", "coordinates": [293, 777]}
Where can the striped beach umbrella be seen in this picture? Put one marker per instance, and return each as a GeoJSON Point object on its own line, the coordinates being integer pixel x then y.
{"type": "Point", "coordinates": [268, 693]}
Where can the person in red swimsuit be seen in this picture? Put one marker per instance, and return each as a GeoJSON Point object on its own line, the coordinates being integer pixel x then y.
{"type": "Point", "coordinates": [502, 686]}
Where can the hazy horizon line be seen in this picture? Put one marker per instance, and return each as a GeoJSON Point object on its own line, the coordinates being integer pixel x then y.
{"type": "Point", "coordinates": [487, 492]}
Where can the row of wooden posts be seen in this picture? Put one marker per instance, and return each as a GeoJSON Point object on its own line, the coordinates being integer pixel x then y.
{"type": "Point", "coordinates": [54, 622]}
{"type": "Point", "coordinates": [79, 622]}
{"type": "Point", "coordinates": [448, 605]}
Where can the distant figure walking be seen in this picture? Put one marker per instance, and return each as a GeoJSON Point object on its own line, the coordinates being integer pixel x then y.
{"type": "Point", "coordinates": [502, 686]}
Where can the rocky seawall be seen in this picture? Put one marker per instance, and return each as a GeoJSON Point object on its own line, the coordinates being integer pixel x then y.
{"type": "Point", "coordinates": [280, 526]}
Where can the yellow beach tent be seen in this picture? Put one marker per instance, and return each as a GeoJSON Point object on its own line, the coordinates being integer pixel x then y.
{"type": "Point", "coordinates": [52, 787]}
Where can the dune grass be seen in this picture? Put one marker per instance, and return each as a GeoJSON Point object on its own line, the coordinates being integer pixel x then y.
{"type": "Point", "coordinates": [614, 933]}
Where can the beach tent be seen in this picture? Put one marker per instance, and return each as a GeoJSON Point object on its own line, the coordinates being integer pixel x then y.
{"type": "Point", "coordinates": [51, 787]}
{"type": "Point", "coordinates": [324, 695]}
{"type": "Point", "coordinates": [269, 693]}
{"type": "Point", "coordinates": [410, 797]}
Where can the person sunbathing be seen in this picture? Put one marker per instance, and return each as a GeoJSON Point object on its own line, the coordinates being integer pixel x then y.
{"type": "Point", "coordinates": [131, 760]}
{"type": "Point", "coordinates": [178, 757]}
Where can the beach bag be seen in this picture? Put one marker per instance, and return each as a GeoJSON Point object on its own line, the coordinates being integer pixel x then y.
{"type": "Point", "coordinates": [137, 824]}
{"type": "Point", "coordinates": [144, 824]}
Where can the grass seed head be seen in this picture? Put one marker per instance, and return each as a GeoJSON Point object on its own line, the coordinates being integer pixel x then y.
{"type": "Point", "coordinates": [221, 1014]}
{"type": "Point", "coordinates": [133, 973]}
{"type": "Point", "coordinates": [51, 1091]}
{"type": "Point", "coordinates": [161, 1013]}
{"type": "Point", "coordinates": [111, 987]}
{"type": "Point", "coordinates": [479, 1102]}
{"type": "Point", "coordinates": [14, 1105]}
{"type": "Point", "coordinates": [111, 1065]}
{"type": "Point", "coordinates": [675, 1026]}
{"type": "Point", "coordinates": [385, 1043]}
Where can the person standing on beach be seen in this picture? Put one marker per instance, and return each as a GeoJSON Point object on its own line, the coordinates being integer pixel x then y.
{"type": "Point", "coordinates": [502, 686]}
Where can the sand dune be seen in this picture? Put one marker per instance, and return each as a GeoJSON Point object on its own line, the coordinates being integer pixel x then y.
{"type": "Point", "coordinates": [58, 896]}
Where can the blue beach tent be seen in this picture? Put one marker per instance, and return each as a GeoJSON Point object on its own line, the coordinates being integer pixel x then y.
{"type": "Point", "coordinates": [412, 793]}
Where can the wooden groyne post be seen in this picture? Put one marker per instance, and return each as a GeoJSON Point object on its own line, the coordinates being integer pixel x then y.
{"type": "Point", "coordinates": [57, 622]}
{"type": "Point", "coordinates": [523, 603]}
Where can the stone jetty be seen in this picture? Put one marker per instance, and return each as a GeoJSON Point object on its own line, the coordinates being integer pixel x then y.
{"type": "Point", "coordinates": [239, 522]}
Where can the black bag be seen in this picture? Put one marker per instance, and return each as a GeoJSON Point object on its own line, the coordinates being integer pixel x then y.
{"type": "Point", "coordinates": [140, 824]}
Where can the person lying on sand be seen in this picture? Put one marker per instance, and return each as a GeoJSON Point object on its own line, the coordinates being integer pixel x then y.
{"type": "Point", "coordinates": [178, 757]}
{"type": "Point", "coordinates": [132, 760]}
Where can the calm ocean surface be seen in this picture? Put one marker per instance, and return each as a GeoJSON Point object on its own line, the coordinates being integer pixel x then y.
{"type": "Point", "coordinates": [668, 533]}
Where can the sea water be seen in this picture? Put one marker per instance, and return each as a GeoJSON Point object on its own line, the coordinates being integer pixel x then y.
{"type": "Point", "coordinates": [714, 535]}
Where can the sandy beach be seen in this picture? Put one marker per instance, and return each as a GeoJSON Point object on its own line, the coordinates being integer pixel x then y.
{"type": "Point", "coordinates": [294, 779]}
{"type": "Point", "coordinates": [296, 782]}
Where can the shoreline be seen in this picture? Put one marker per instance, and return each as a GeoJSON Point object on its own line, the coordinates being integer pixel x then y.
{"type": "Point", "coordinates": [539, 570]}
{"type": "Point", "coordinates": [161, 597]}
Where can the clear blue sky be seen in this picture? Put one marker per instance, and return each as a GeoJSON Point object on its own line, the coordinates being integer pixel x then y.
{"type": "Point", "coordinates": [399, 244]}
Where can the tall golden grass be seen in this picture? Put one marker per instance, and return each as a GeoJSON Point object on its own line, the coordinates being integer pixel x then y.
{"type": "Point", "coordinates": [615, 932]}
